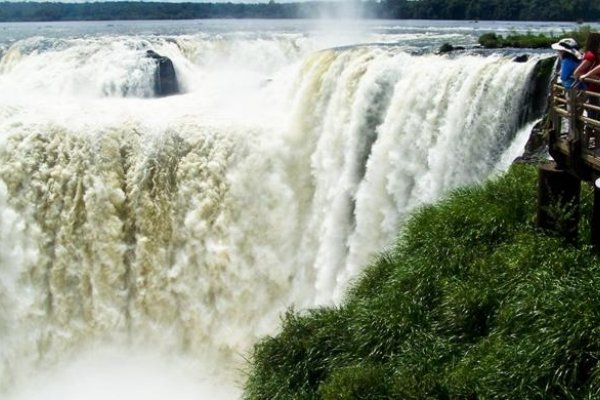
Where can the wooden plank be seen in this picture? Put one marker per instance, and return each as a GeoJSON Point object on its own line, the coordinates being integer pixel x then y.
{"type": "Point", "coordinates": [589, 157]}
{"type": "Point", "coordinates": [592, 94]}
{"type": "Point", "coordinates": [592, 160]}
{"type": "Point", "coordinates": [592, 80]}
{"type": "Point", "coordinates": [589, 121]}
{"type": "Point", "coordinates": [591, 107]}
{"type": "Point", "coordinates": [561, 112]}
{"type": "Point", "coordinates": [560, 100]}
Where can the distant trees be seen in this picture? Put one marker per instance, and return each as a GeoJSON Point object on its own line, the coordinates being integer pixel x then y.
{"type": "Point", "coordinates": [542, 10]}
{"type": "Point", "coordinates": [550, 10]}
{"type": "Point", "coordinates": [151, 10]}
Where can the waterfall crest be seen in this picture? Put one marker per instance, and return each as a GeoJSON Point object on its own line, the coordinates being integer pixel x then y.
{"type": "Point", "coordinates": [194, 221]}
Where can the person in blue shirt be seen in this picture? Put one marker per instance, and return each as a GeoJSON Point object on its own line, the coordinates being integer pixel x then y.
{"type": "Point", "coordinates": [570, 57]}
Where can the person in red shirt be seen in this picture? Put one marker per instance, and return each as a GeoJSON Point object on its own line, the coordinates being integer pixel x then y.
{"type": "Point", "coordinates": [590, 68]}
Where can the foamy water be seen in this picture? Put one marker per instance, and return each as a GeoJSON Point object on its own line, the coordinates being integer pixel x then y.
{"type": "Point", "coordinates": [146, 244]}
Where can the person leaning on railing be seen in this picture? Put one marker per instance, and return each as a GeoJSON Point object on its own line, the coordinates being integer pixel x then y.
{"type": "Point", "coordinates": [592, 68]}
{"type": "Point", "coordinates": [591, 61]}
{"type": "Point", "coordinates": [594, 73]}
{"type": "Point", "coordinates": [570, 56]}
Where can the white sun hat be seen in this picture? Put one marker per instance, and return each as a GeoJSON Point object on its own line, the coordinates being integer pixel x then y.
{"type": "Point", "coordinates": [568, 45]}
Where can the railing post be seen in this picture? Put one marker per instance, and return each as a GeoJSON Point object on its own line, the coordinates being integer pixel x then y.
{"type": "Point", "coordinates": [574, 108]}
{"type": "Point", "coordinates": [576, 126]}
{"type": "Point", "coordinates": [595, 222]}
{"type": "Point", "coordinates": [555, 124]}
{"type": "Point", "coordinates": [558, 201]}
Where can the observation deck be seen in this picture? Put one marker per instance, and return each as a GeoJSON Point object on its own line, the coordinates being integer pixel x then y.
{"type": "Point", "coordinates": [573, 130]}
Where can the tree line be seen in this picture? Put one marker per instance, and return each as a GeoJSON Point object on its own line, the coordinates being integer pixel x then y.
{"type": "Point", "coordinates": [528, 10]}
{"type": "Point", "coordinates": [544, 10]}
{"type": "Point", "coordinates": [138, 10]}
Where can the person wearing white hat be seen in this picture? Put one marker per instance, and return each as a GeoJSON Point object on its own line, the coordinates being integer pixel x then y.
{"type": "Point", "coordinates": [570, 56]}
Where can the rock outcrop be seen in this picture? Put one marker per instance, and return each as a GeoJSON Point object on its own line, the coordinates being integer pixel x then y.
{"type": "Point", "coordinates": [165, 79]}
{"type": "Point", "coordinates": [521, 59]}
{"type": "Point", "coordinates": [447, 48]}
{"type": "Point", "coordinates": [536, 148]}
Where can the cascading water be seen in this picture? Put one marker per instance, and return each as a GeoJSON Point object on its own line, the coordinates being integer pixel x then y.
{"type": "Point", "coordinates": [186, 225]}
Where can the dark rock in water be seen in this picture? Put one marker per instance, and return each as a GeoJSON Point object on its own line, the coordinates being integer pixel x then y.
{"type": "Point", "coordinates": [165, 80]}
{"type": "Point", "coordinates": [536, 98]}
{"type": "Point", "coordinates": [447, 48]}
{"type": "Point", "coordinates": [536, 149]}
{"type": "Point", "coordinates": [522, 58]}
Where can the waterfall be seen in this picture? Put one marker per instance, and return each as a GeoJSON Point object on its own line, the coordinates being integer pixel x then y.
{"type": "Point", "coordinates": [188, 224]}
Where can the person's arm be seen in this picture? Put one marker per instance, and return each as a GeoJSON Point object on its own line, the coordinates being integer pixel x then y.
{"type": "Point", "coordinates": [593, 72]}
{"type": "Point", "coordinates": [582, 68]}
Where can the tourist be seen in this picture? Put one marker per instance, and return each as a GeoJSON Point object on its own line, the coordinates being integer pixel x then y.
{"type": "Point", "coordinates": [570, 56]}
{"type": "Point", "coordinates": [593, 69]}
{"type": "Point", "coordinates": [591, 60]}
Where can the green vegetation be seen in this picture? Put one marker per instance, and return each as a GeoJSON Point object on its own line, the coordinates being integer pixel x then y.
{"type": "Point", "coordinates": [492, 40]}
{"type": "Point", "coordinates": [472, 303]}
{"type": "Point", "coordinates": [138, 10]}
{"type": "Point", "coordinates": [531, 10]}
{"type": "Point", "coordinates": [550, 10]}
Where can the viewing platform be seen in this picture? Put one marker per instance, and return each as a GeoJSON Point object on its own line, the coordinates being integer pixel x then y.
{"type": "Point", "coordinates": [573, 131]}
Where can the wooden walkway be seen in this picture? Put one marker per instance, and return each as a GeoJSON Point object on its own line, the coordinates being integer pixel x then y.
{"type": "Point", "coordinates": [574, 132]}
{"type": "Point", "coordinates": [573, 129]}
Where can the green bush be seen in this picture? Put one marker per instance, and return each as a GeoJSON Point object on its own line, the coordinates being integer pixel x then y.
{"type": "Point", "coordinates": [367, 382]}
{"type": "Point", "coordinates": [492, 40]}
{"type": "Point", "coordinates": [445, 48]}
{"type": "Point", "coordinates": [473, 302]}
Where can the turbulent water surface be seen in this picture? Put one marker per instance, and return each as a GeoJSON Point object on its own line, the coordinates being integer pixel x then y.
{"type": "Point", "coordinates": [147, 243]}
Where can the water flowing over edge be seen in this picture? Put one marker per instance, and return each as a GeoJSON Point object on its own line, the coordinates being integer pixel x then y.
{"type": "Point", "coordinates": [194, 221]}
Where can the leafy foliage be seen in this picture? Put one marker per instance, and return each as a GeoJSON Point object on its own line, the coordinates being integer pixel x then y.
{"type": "Point", "coordinates": [473, 302]}
{"type": "Point", "coordinates": [533, 10]}
{"type": "Point", "coordinates": [492, 40]}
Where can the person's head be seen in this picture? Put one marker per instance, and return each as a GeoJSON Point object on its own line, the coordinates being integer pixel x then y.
{"type": "Point", "coordinates": [593, 42]}
{"type": "Point", "coordinates": [568, 47]}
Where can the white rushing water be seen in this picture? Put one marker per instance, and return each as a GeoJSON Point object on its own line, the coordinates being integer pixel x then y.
{"type": "Point", "coordinates": [146, 244]}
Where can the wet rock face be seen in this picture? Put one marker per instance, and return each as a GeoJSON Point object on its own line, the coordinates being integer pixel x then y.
{"type": "Point", "coordinates": [522, 58]}
{"type": "Point", "coordinates": [536, 148]}
{"type": "Point", "coordinates": [165, 80]}
{"type": "Point", "coordinates": [447, 48]}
